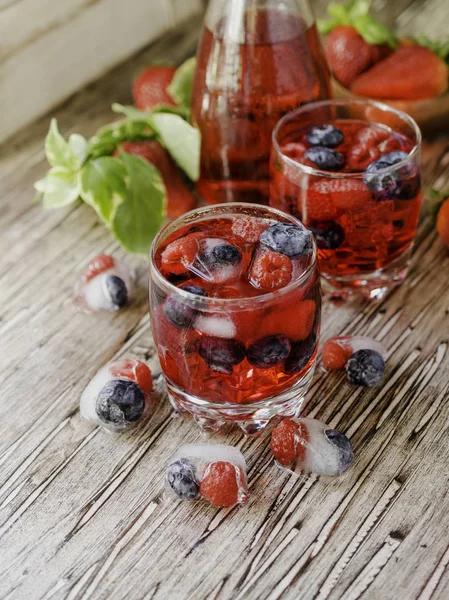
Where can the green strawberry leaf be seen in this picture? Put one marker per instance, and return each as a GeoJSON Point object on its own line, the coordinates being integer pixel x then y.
{"type": "Point", "coordinates": [140, 216]}
{"type": "Point", "coordinates": [373, 32]}
{"type": "Point", "coordinates": [58, 151]}
{"type": "Point", "coordinates": [181, 140]}
{"type": "Point", "coordinates": [78, 145]}
{"type": "Point", "coordinates": [438, 47]}
{"type": "Point", "coordinates": [180, 88]}
{"type": "Point", "coordinates": [59, 188]}
{"type": "Point", "coordinates": [438, 199]}
{"type": "Point", "coordinates": [103, 185]}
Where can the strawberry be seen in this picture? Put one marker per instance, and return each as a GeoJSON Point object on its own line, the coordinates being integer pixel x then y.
{"type": "Point", "coordinates": [149, 88]}
{"type": "Point", "coordinates": [179, 198]}
{"type": "Point", "coordinates": [410, 73]}
{"type": "Point", "coordinates": [349, 55]}
{"type": "Point", "coordinates": [443, 222]}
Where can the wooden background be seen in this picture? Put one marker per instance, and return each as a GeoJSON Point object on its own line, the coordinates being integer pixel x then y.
{"type": "Point", "coordinates": [83, 513]}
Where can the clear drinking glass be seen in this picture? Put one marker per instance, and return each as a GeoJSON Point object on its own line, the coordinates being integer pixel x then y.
{"type": "Point", "coordinates": [358, 189]}
{"type": "Point", "coordinates": [242, 353]}
{"type": "Point", "coordinates": [257, 60]}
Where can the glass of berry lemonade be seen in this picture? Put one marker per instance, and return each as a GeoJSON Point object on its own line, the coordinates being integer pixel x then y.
{"type": "Point", "coordinates": [350, 171]}
{"type": "Point", "coordinates": [235, 309]}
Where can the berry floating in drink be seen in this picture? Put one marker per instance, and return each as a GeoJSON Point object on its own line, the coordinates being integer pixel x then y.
{"type": "Point", "coordinates": [308, 445]}
{"type": "Point", "coordinates": [212, 472]}
{"type": "Point", "coordinates": [362, 357]}
{"type": "Point", "coordinates": [118, 396]}
{"type": "Point", "coordinates": [105, 285]}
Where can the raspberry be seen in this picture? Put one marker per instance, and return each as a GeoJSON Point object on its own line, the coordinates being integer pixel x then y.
{"type": "Point", "coordinates": [295, 320]}
{"type": "Point", "coordinates": [223, 484]}
{"type": "Point", "coordinates": [271, 270]}
{"type": "Point", "coordinates": [99, 264]}
{"type": "Point", "coordinates": [288, 442]}
{"type": "Point", "coordinates": [335, 354]}
{"type": "Point", "coordinates": [178, 255]}
{"type": "Point", "coordinates": [136, 371]}
{"type": "Point", "coordinates": [249, 228]}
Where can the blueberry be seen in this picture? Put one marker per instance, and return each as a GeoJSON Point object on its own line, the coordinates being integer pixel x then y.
{"type": "Point", "coordinates": [120, 402]}
{"type": "Point", "coordinates": [365, 367]}
{"type": "Point", "coordinates": [194, 289]}
{"type": "Point", "coordinates": [226, 254]}
{"type": "Point", "coordinates": [179, 313]}
{"type": "Point", "coordinates": [288, 239]}
{"type": "Point", "coordinates": [221, 354]}
{"type": "Point", "coordinates": [180, 477]}
{"type": "Point", "coordinates": [341, 442]}
{"type": "Point", "coordinates": [403, 183]}
{"type": "Point", "coordinates": [325, 135]}
{"type": "Point", "coordinates": [300, 354]}
{"type": "Point", "coordinates": [325, 158]}
{"type": "Point", "coordinates": [328, 234]}
{"type": "Point", "coordinates": [269, 351]}
{"type": "Point", "coordinates": [116, 289]}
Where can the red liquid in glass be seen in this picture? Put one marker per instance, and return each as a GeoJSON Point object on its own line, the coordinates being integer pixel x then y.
{"type": "Point", "coordinates": [242, 88]}
{"type": "Point", "coordinates": [294, 314]}
{"type": "Point", "coordinates": [375, 232]}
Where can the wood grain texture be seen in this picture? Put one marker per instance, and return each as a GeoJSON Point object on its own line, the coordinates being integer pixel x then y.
{"type": "Point", "coordinates": [83, 513]}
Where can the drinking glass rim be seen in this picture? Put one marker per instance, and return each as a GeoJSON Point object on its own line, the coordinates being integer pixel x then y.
{"type": "Point", "coordinates": [244, 301]}
{"type": "Point", "coordinates": [348, 174]}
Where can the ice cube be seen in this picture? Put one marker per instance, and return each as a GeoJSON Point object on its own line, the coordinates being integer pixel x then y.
{"type": "Point", "coordinates": [217, 261]}
{"type": "Point", "coordinates": [214, 472]}
{"type": "Point", "coordinates": [118, 395]}
{"type": "Point", "coordinates": [222, 327]}
{"type": "Point", "coordinates": [308, 445]}
{"type": "Point", "coordinates": [105, 285]}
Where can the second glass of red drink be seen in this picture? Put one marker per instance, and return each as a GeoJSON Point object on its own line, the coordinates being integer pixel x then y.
{"type": "Point", "coordinates": [235, 310]}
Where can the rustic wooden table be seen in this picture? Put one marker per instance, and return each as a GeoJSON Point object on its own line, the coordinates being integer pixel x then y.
{"type": "Point", "coordinates": [83, 514]}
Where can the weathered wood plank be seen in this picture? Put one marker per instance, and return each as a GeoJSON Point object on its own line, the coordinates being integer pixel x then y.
{"type": "Point", "coordinates": [83, 513]}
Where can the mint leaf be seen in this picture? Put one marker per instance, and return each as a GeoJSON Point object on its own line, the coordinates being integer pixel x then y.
{"type": "Point", "coordinates": [109, 137]}
{"type": "Point", "coordinates": [181, 140]}
{"type": "Point", "coordinates": [59, 188]}
{"type": "Point", "coordinates": [139, 217]}
{"type": "Point", "coordinates": [78, 145]}
{"type": "Point", "coordinates": [180, 88]}
{"type": "Point", "coordinates": [58, 151]}
{"type": "Point", "coordinates": [103, 186]}
{"type": "Point", "coordinates": [373, 32]}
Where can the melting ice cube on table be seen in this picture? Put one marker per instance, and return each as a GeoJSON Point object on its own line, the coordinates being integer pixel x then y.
{"type": "Point", "coordinates": [361, 356]}
{"type": "Point", "coordinates": [308, 445]}
{"type": "Point", "coordinates": [213, 472]}
{"type": "Point", "coordinates": [118, 395]}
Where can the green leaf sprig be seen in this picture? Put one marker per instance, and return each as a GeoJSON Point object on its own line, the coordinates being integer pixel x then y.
{"type": "Point", "coordinates": [126, 191]}
{"type": "Point", "coordinates": [356, 14]}
{"type": "Point", "coordinates": [438, 199]}
{"type": "Point", "coordinates": [438, 47]}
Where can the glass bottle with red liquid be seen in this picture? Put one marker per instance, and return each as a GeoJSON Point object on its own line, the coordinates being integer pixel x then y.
{"type": "Point", "coordinates": [257, 60]}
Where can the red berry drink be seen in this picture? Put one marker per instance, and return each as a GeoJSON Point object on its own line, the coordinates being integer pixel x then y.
{"type": "Point", "coordinates": [252, 69]}
{"type": "Point", "coordinates": [350, 171]}
{"type": "Point", "coordinates": [235, 312]}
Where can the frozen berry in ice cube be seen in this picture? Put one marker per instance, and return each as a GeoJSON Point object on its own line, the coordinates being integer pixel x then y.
{"type": "Point", "coordinates": [270, 270]}
{"type": "Point", "coordinates": [216, 471]}
{"type": "Point", "coordinates": [217, 261]}
{"type": "Point", "coordinates": [300, 354]}
{"type": "Point", "coordinates": [337, 350]}
{"type": "Point", "coordinates": [249, 228]}
{"type": "Point", "coordinates": [286, 238]}
{"type": "Point", "coordinates": [116, 398]}
{"type": "Point", "coordinates": [312, 447]}
{"type": "Point", "coordinates": [221, 354]}
{"type": "Point", "coordinates": [325, 159]}
{"type": "Point", "coordinates": [180, 477]}
{"type": "Point", "coordinates": [180, 254]}
{"type": "Point", "coordinates": [179, 313]}
{"type": "Point", "coordinates": [325, 135]}
{"type": "Point", "coordinates": [269, 351]}
{"type": "Point", "coordinates": [365, 367]}
{"type": "Point", "coordinates": [385, 186]}
{"type": "Point", "coordinates": [105, 284]}
{"type": "Point", "coordinates": [329, 235]}
{"type": "Point", "coordinates": [194, 289]}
